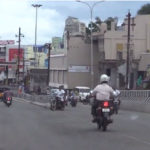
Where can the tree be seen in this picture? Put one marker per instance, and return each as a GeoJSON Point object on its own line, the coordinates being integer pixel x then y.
{"type": "Point", "coordinates": [98, 21]}
{"type": "Point", "coordinates": [108, 22]}
{"type": "Point", "coordinates": [145, 9]}
{"type": "Point", "coordinates": [95, 27]}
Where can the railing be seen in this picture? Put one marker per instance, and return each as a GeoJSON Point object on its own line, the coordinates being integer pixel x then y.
{"type": "Point", "coordinates": [135, 95]}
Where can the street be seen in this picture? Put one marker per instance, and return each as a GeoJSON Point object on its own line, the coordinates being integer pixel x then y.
{"type": "Point", "coordinates": [24, 126]}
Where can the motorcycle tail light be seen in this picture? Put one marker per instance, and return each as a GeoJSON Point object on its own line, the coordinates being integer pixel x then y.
{"type": "Point", "coordinates": [8, 98]}
{"type": "Point", "coordinates": [106, 104]}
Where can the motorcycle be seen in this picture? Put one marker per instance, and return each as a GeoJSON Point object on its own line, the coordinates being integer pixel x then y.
{"type": "Point", "coordinates": [8, 101]}
{"type": "Point", "coordinates": [57, 104]}
{"type": "Point", "coordinates": [73, 101]}
{"type": "Point", "coordinates": [116, 101]}
{"type": "Point", "coordinates": [104, 111]}
{"type": "Point", "coordinates": [116, 104]}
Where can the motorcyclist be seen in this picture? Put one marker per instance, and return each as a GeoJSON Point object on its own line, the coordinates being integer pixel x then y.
{"type": "Point", "coordinates": [6, 94]}
{"type": "Point", "coordinates": [102, 92]}
{"type": "Point", "coordinates": [116, 100]}
{"type": "Point", "coordinates": [61, 94]}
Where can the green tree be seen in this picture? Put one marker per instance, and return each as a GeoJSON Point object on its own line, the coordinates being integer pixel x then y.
{"type": "Point", "coordinates": [108, 22]}
{"type": "Point", "coordinates": [94, 27]}
{"type": "Point", "coordinates": [145, 9]}
{"type": "Point", "coordinates": [98, 21]}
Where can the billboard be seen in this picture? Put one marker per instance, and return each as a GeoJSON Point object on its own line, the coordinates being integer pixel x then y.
{"type": "Point", "coordinates": [14, 53]}
{"type": "Point", "coordinates": [13, 56]}
{"type": "Point", "coordinates": [7, 42]}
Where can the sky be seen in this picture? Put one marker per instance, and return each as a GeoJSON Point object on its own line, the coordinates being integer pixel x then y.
{"type": "Point", "coordinates": [52, 16]}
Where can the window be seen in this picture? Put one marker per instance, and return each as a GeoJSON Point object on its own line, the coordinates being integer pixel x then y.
{"type": "Point", "coordinates": [108, 72]}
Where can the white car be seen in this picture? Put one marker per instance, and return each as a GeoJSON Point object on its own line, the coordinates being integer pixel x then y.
{"type": "Point", "coordinates": [83, 92]}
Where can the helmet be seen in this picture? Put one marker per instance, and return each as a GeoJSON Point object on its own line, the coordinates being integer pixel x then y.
{"type": "Point", "coordinates": [104, 78]}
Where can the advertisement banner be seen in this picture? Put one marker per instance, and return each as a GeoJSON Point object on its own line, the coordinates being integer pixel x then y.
{"type": "Point", "coordinates": [13, 54]}
{"type": "Point", "coordinates": [7, 42]}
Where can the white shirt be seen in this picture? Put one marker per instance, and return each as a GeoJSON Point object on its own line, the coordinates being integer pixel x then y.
{"type": "Point", "coordinates": [60, 93]}
{"type": "Point", "coordinates": [116, 93]}
{"type": "Point", "coordinates": [103, 92]}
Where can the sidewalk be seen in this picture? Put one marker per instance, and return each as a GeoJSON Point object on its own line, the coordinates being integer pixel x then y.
{"type": "Point", "coordinates": [45, 105]}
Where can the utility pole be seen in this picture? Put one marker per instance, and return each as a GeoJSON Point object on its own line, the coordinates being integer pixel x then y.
{"type": "Point", "coordinates": [128, 52]}
{"type": "Point", "coordinates": [19, 41]}
{"type": "Point", "coordinates": [48, 45]}
{"type": "Point", "coordinates": [128, 60]}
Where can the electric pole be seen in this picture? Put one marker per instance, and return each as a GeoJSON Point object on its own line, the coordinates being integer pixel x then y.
{"type": "Point", "coordinates": [19, 41]}
{"type": "Point", "coordinates": [48, 45]}
{"type": "Point", "coordinates": [128, 52]}
{"type": "Point", "coordinates": [128, 57]}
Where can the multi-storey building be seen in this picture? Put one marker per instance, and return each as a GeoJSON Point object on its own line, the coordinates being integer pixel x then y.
{"type": "Point", "coordinates": [74, 26]}
{"type": "Point", "coordinates": [72, 67]}
{"type": "Point", "coordinates": [115, 49]}
{"type": "Point", "coordinates": [56, 43]}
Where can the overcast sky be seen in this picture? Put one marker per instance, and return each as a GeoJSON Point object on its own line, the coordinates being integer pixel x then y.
{"type": "Point", "coordinates": [52, 16]}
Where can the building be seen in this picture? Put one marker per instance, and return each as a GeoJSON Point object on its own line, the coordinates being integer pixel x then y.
{"type": "Point", "coordinates": [56, 43]}
{"type": "Point", "coordinates": [115, 49]}
{"type": "Point", "coordinates": [74, 26]}
{"type": "Point", "coordinates": [71, 67]}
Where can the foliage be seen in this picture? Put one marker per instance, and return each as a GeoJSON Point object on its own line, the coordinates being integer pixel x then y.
{"type": "Point", "coordinates": [97, 23]}
{"type": "Point", "coordinates": [145, 9]}
{"type": "Point", "coordinates": [108, 22]}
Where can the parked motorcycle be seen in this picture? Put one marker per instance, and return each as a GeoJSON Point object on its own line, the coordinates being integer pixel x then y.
{"type": "Point", "coordinates": [104, 111]}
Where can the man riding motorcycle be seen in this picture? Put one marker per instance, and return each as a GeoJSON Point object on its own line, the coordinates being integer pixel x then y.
{"type": "Point", "coordinates": [102, 92]}
{"type": "Point", "coordinates": [60, 95]}
{"type": "Point", "coordinates": [116, 100]}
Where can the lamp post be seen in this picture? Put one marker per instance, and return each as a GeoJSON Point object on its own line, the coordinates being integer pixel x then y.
{"type": "Point", "coordinates": [91, 7]}
{"type": "Point", "coordinates": [36, 6]}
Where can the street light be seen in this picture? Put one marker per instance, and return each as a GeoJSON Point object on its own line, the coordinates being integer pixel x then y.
{"type": "Point", "coordinates": [36, 6]}
{"type": "Point", "coordinates": [91, 7]}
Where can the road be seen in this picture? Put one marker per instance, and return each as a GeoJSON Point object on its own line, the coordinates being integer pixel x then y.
{"type": "Point", "coordinates": [24, 126]}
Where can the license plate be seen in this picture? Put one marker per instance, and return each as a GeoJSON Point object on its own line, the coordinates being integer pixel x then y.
{"type": "Point", "coordinates": [8, 101]}
{"type": "Point", "coordinates": [105, 110]}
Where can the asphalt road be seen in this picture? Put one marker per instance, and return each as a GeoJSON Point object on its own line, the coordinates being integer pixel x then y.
{"type": "Point", "coordinates": [24, 126]}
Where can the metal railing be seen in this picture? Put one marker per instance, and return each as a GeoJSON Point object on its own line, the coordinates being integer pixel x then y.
{"type": "Point", "coordinates": [135, 95]}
